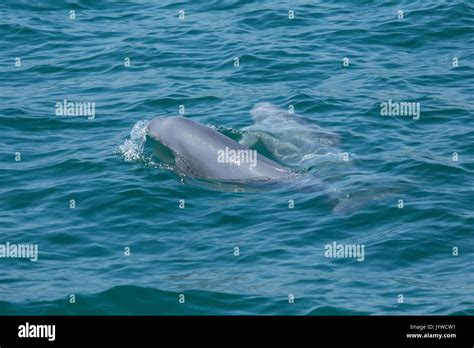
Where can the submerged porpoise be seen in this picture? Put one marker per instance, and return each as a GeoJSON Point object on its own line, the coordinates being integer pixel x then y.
{"type": "Point", "coordinates": [289, 137]}
{"type": "Point", "coordinates": [203, 152]}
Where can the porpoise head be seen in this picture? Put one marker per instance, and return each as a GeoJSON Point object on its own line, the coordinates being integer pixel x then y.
{"type": "Point", "coordinates": [167, 129]}
{"type": "Point", "coordinates": [262, 111]}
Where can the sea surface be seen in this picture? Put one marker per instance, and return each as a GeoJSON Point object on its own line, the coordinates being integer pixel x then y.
{"type": "Point", "coordinates": [105, 213]}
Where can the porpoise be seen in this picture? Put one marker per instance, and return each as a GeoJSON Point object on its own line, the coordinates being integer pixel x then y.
{"type": "Point", "coordinates": [202, 152]}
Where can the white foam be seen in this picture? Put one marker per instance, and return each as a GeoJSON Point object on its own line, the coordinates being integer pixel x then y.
{"type": "Point", "coordinates": [132, 148]}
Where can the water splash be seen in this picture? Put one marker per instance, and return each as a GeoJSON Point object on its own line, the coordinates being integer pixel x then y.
{"type": "Point", "coordinates": [132, 149]}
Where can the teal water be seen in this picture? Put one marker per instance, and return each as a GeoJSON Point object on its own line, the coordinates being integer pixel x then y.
{"type": "Point", "coordinates": [125, 199]}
